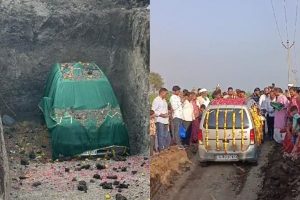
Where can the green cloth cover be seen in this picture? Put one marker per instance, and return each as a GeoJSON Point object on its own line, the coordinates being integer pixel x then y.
{"type": "Point", "coordinates": [81, 111]}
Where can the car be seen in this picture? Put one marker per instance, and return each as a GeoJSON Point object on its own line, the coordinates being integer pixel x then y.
{"type": "Point", "coordinates": [230, 130]}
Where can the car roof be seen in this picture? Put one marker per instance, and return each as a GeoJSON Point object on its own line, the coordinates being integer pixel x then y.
{"type": "Point", "coordinates": [227, 106]}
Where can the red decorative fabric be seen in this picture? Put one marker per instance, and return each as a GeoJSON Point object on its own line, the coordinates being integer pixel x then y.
{"type": "Point", "coordinates": [237, 101]}
{"type": "Point", "coordinates": [287, 143]}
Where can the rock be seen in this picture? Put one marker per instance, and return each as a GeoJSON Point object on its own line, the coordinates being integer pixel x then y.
{"type": "Point", "coordinates": [100, 166]}
{"type": "Point", "coordinates": [24, 162]}
{"type": "Point", "coordinates": [96, 176]}
{"type": "Point", "coordinates": [112, 177]}
{"type": "Point", "coordinates": [32, 155]}
{"type": "Point", "coordinates": [67, 169]}
{"type": "Point", "coordinates": [120, 197]}
{"type": "Point", "coordinates": [82, 182]}
{"type": "Point", "coordinates": [92, 181]}
{"type": "Point", "coordinates": [120, 190]}
{"type": "Point", "coordinates": [115, 169]}
{"type": "Point", "coordinates": [7, 120]}
{"type": "Point", "coordinates": [82, 186]}
{"type": "Point", "coordinates": [146, 158]}
{"type": "Point", "coordinates": [36, 184]}
{"type": "Point", "coordinates": [116, 182]}
{"type": "Point", "coordinates": [44, 146]}
{"type": "Point", "coordinates": [78, 169]}
{"type": "Point", "coordinates": [124, 169]}
{"type": "Point", "coordinates": [106, 186]}
{"type": "Point", "coordinates": [142, 165]}
{"type": "Point", "coordinates": [87, 166]}
{"type": "Point", "coordinates": [122, 186]}
{"type": "Point", "coordinates": [74, 179]}
{"type": "Point", "coordinates": [134, 172]}
{"type": "Point", "coordinates": [22, 177]}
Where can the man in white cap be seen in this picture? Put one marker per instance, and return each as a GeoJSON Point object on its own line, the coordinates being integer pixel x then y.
{"type": "Point", "coordinates": [202, 98]}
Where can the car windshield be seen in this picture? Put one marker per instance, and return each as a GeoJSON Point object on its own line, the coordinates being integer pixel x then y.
{"type": "Point", "coordinates": [229, 122]}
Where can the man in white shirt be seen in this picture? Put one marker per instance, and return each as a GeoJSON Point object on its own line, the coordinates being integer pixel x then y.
{"type": "Point", "coordinates": [263, 102]}
{"type": "Point", "coordinates": [203, 99]}
{"type": "Point", "coordinates": [188, 117]}
{"type": "Point", "coordinates": [176, 105]}
{"type": "Point", "coordinates": [160, 107]}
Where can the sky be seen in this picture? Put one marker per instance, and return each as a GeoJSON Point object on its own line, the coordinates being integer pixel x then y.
{"type": "Point", "coordinates": [202, 43]}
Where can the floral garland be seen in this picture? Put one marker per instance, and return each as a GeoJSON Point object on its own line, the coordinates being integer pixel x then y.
{"type": "Point", "coordinates": [225, 135]}
{"type": "Point", "coordinates": [242, 129]}
{"type": "Point", "coordinates": [206, 130]}
{"type": "Point", "coordinates": [233, 130]}
{"type": "Point", "coordinates": [258, 124]}
{"type": "Point", "coordinates": [217, 130]}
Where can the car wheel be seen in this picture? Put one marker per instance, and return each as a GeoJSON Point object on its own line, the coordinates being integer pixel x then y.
{"type": "Point", "coordinates": [253, 163]}
{"type": "Point", "coordinates": [203, 164]}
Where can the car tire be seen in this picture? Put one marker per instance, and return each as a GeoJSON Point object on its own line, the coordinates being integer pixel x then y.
{"type": "Point", "coordinates": [203, 164]}
{"type": "Point", "coordinates": [253, 163]}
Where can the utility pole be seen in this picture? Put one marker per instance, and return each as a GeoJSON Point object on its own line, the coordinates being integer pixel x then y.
{"type": "Point", "coordinates": [288, 47]}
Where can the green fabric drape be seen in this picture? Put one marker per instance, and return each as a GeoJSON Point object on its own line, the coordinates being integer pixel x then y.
{"type": "Point", "coordinates": [70, 135]}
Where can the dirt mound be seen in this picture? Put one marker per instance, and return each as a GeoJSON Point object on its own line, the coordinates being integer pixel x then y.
{"type": "Point", "coordinates": [166, 166]}
{"type": "Point", "coordinates": [282, 177]}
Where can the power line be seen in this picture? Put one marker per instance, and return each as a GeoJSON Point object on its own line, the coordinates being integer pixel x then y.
{"type": "Point", "coordinates": [296, 20]}
{"type": "Point", "coordinates": [286, 21]}
{"type": "Point", "coordinates": [277, 27]}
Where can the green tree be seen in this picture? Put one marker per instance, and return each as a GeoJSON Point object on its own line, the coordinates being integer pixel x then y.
{"type": "Point", "coordinates": [156, 81]}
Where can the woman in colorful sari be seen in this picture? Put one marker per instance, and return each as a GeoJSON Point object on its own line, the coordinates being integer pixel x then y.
{"type": "Point", "coordinates": [294, 105]}
{"type": "Point", "coordinates": [280, 116]}
{"type": "Point", "coordinates": [295, 98]}
{"type": "Point", "coordinates": [196, 121]}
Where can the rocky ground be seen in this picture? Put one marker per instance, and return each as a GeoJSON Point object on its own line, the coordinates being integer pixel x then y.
{"type": "Point", "coordinates": [35, 176]}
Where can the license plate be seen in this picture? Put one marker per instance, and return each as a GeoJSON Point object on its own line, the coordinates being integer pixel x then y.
{"type": "Point", "coordinates": [226, 157]}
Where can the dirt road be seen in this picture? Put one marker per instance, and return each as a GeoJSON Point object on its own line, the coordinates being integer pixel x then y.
{"type": "Point", "coordinates": [220, 181]}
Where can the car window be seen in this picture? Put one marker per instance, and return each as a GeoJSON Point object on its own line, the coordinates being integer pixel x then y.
{"type": "Point", "coordinates": [212, 118]}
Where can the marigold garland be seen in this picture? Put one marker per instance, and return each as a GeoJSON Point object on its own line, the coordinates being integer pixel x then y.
{"type": "Point", "coordinates": [217, 129]}
{"type": "Point", "coordinates": [258, 124]}
{"type": "Point", "coordinates": [225, 135]}
{"type": "Point", "coordinates": [206, 130]}
{"type": "Point", "coordinates": [233, 130]}
{"type": "Point", "coordinates": [242, 129]}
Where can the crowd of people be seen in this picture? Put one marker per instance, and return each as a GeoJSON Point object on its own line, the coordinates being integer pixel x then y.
{"type": "Point", "coordinates": [279, 108]}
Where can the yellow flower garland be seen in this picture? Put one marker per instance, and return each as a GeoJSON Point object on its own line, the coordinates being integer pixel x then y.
{"type": "Point", "coordinates": [242, 130]}
{"type": "Point", "coordinates": [258, 125]}
{"type": "Point", "coordinates": [206, 130]}
{"type": "Point", "coordinates": [233, 129]}
{"type": "Point", "coordinates": [225, 135]}
{"type": "Point", "coordinates": [217, 130]}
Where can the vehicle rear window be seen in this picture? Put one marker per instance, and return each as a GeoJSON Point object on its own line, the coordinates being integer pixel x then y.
{"type": "Point", "coordinates": [212, 119]}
